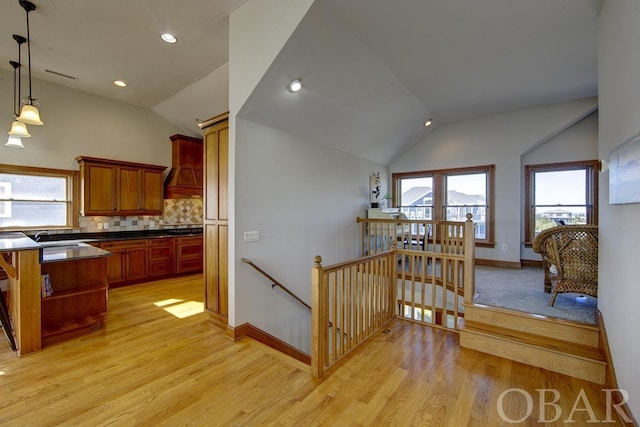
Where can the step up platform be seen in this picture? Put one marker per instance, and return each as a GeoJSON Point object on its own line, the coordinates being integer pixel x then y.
{"type": "Point", "coordinates": [565, 347]}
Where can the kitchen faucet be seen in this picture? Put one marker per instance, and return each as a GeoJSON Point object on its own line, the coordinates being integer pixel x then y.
{"type": "Point", "coordinates": [37, 236]}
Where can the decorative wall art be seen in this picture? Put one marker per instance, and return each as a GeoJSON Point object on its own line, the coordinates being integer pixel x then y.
{"type": "Point", "coordinates": [624, 172]}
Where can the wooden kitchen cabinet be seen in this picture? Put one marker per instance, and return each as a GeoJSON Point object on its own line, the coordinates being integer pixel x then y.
{"type": "Point", "coordinates": [128, 261]}
{"type": "Point", "coordinates": [112, 187]}
{"type": "Point", "coordinates": [161, 259]}
{"type": "Point", "coordinates": [189, 254]}
{"type": "Point", "coordinates": [216, 217]}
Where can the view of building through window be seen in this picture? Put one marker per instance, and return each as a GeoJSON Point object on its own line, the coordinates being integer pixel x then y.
{"type": "Point", "coordinates": [465, 193]}
{"type": "Point", "coordinates": [34, 200]}
{"type": "Point", "coordinates": [560, 194]}
{"type": "Point", "coordinates": [560, 197]}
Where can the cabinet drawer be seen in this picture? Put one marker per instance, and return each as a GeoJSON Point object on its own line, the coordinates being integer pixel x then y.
{"type": "Point", "coordinates": [124, 244]}
{"type": "Point", "coordinates": [189, 264]}
{"type": "Point", "coordinates": [160, 253]}
{"type": "Point", "coordinates": [160, 268]}
{"type": "Point", "coordinates": [162, 241]}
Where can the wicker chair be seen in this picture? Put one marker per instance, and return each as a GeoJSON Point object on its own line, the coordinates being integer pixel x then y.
{"type": "Point", "coordinates": [569, 258]}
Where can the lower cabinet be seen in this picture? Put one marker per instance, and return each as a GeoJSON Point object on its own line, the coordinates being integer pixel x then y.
{"type": "Point", "coordinates": [128, 261]}
{"type": "Point", "coordinates": [161, 260]}
{"type": "Point", "coordinates": [189, 254]}
{"type": "Point", "coordinates": [134, 261]}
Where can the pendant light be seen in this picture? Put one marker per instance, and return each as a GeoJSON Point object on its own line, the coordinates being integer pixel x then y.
{"type": "Point", "coordinates": [18, 129]}
{"type": "Point", "coordinates": [29, 114]}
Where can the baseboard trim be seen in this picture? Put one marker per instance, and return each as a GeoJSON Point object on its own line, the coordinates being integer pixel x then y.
{"type": "Point", "coordinates": [611, 381]}
{"type": "Point", "coordinates": [531, 263]}
{"type": "Point", "coordinates": [495, 263]}
{"type": "Point", "coordinates": [248, 330]}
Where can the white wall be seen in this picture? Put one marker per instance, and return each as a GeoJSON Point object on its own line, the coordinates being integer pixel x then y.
{"type": "Point", "coordinates": [619, 233]}
{"type": "Point", "coordinates": [257, 32]}
{"type": "Point", "coordinates": [579, 142]}
{"type": "Point", "coordinates": [501, 140]}
{"type": "Point", "coordinates": [78, 123]}
{"type": "Point", "coordinates": [303, 198]}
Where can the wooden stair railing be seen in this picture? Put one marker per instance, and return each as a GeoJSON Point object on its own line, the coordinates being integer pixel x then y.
{"type": "Point", "coordinates": [275, 283]}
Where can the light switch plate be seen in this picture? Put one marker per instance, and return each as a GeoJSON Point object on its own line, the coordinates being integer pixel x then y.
{"type": "Point", "coordinates": [251, 236]}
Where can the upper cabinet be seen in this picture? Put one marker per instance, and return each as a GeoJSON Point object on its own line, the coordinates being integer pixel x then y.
{"type": "Point", "coordinates": [113, 187]}
{"type": "Point", "coordinates": [185, 177]}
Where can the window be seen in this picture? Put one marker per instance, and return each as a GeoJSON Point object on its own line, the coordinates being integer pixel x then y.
{"type": "Point", "coordinates": [36, 197]}
{"type": "Point", "coordinates": [449, 194]}
{"type": "Point", "coordinates": [560, 193]}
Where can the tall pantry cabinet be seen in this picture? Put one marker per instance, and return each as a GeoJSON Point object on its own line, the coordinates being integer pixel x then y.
{"type": "Point", "coordinates": [216, 216]}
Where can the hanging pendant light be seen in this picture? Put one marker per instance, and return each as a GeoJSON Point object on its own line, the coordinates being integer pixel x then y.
{"type": "Point", "coordinates": [29, 114]}
{"type": "Point", "coordinates": [18, 129]}
{"type": "Point", "coordinates": [14, 142]}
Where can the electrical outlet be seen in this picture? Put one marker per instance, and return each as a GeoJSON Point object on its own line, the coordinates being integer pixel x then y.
{"type": "Point", "coordinates": [504, 248]}
{"type": "Point", "coordinates": [99, 226]}
{"type": "Point", "coordinates": [152, 223]}
{"type": "Point", "coordinates": [251, 236]}
{"type": "Point", "coordinates": [106, 225]}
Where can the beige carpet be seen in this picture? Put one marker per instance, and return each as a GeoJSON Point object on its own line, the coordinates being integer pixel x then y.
{"type": "Point", "coordinates": [523, 290]}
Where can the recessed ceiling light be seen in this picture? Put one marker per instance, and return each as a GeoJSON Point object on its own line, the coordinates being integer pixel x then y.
{"type": "Point", "coordinates": [119, 83]}
{"type": "Point", "coordinates": [428, 123]}
{"type": "Point", "coordinates": [295, 85]}
{"type": "Point", "coordinates": [169, 38]}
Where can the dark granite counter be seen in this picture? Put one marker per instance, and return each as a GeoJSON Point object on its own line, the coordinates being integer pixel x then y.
{"type": "Point", "coordinates": [122, 235]}
{"type": "Point", "coordinates": [71, 252]}
{"type": "Point", "coordinates": [16, 241]}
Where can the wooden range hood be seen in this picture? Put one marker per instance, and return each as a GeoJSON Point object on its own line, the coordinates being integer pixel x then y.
{"type": "Point", "coordinates": [185, 177]}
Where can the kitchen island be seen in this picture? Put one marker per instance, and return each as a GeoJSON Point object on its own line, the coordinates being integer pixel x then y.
{"type": "Point", "coordinates": [77, 273]}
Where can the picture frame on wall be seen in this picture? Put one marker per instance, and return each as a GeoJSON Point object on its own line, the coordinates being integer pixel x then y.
{"type": "Point", "coordinates": [624, 172]}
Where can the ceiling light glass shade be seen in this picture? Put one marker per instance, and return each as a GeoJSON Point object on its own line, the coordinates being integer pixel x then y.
{"type": "Point", "coordinates": [30, 115]}
{"type": "Point", "coordinates": [169, 38]}
{"type": "Point", "coordinates": [19, 129]}
{"type": "Point", "coordinates": [119, 83]}
{"type": "Point", "coordinates": [14, 142]}
{"type": "Point", "coordinates": [428, 122]}
{"type": "Point", "coordinates": [295, 85]}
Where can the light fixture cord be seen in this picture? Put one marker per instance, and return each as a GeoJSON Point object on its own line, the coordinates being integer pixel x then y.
{"type": "Point", "coordinates": [29, 57]}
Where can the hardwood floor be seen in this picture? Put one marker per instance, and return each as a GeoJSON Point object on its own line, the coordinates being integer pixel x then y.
{"type": "Point", "coordinates": [149, 367]}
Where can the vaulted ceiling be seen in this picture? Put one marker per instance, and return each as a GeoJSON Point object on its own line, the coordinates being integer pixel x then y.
{"type": "Point", "coordinates": [373, 70]}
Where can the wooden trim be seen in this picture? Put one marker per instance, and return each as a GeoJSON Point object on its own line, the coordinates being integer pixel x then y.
{"type": "Point", "coordinates": [213, 120]}
{"type": "Point", "coordinates": [248, 330]}
{"type": "Point", "coordinates": [81, 159]}
{"type": "Point", "coordinates": [591, 209]}
{"type": "Point", "coordinates": [611, 381]}
{"type": "Point", "coordinates": [531, 263]}
{"type": "Point", "coordinates": [502, 264]}
{"type": "Point", "coordinates": [439, 192]}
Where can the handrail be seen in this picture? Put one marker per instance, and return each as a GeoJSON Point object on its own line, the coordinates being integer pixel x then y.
{"type": "Point", "coordinates": [275, 282]}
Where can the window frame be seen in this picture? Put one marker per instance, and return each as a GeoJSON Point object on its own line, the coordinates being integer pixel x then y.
{"type": "Point", "coordinates": [591, 167]}
{"type": "Point", "coordinates": [439, 197]}
{"type": "Point", "coordinates": [71, 176]}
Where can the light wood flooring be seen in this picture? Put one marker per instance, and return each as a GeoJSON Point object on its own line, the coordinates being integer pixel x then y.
{"type": "Point", "coordinates": [148, 367]}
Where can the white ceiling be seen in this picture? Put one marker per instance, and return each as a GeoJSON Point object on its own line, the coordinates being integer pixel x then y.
{"type": "Point", "coordinates": [373, 70]}
{"type": "Point", "coordinates": [99, 41]}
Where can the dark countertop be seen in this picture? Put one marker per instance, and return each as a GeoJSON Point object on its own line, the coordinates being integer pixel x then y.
{"type": "Point", "coordinates": [122, 235]}
{"type": "Point", "coordinates": [16, 241]}
{"type": "Point", "coordinates": [71, 253]}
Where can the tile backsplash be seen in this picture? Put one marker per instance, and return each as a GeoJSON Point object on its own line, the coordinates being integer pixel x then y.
{"type": "Point", "coordinates": [178, 213]}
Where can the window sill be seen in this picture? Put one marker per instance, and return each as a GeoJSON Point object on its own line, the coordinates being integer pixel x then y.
{"type": "Point", "coordinates": [485, 244]}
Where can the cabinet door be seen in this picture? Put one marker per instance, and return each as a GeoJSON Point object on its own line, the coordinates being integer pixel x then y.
{"type": "Point", "coordinates": [99, 189]}
{"type": "Point", "coordinates": [129, 190]}
{"type": "Point", "coordinates": [137, 259]}
{"type": "Point", "coordinates": [116, 266]}
{"type": "Point", "coordinates": [152, 197]}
